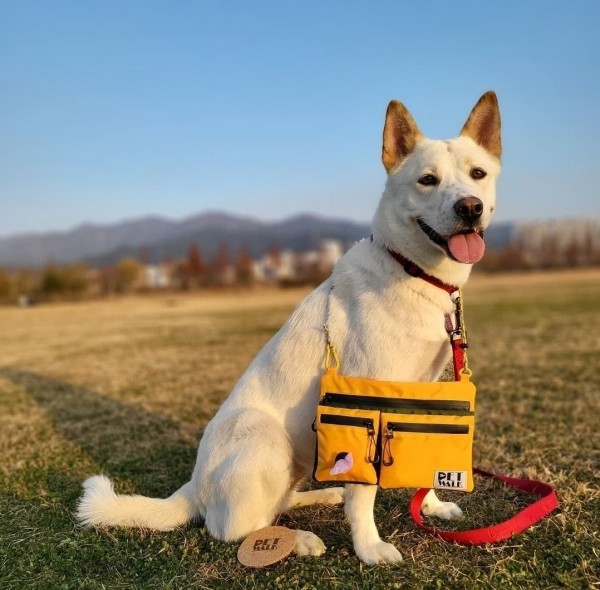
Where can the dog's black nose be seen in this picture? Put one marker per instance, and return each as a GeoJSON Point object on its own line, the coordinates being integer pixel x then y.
{"type": "Point", "coordinates": [469, 209]}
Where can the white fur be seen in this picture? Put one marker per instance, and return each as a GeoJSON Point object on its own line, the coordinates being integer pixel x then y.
{"type": "Point", "coordinates": [101, 506]}
{"type": "Point", "coordinates": [384, 324]}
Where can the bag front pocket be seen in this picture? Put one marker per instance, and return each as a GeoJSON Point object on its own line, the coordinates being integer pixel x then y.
{"type": "Point", "coordinates": [432, 451]}
{"type": "Point", "coordinates": [346, 445]}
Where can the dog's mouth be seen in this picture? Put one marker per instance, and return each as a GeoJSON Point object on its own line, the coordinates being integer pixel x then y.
{"type": "Point", "coordinates": [465, 246]}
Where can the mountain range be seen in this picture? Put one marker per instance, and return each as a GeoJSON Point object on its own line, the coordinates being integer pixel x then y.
{"type": "Point", "coordinates": [160, 238]}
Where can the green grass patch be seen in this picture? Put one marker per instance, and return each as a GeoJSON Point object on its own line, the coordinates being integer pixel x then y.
{"type": "Point", "coordinates": [95, 388]}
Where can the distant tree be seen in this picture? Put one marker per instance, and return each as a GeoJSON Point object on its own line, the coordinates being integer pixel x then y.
{"type": "Point", "coordinates": [76, 280]}
{"type": "Point", "coordinates": [5, 285]}
{"type": "Point", "coordinates": [274, 254]}
{"type": "Point", "coordinates": [196, 268]}
{"type": "Point", "coordinates": [244, 267]}
{"type": "Point", "coordinates": [127, 273]}
{"type": "Point", "coordinates": [27, 282]}
{"type": "Point", "coordinates": [67, 281]}
{"type": "Point", "coordinates": [221, 265]}
{"type": "Point", "coordinates": [512, 257]}
{"type": "Point", "coordinates": [106, 280]}
{"type": "Point", "coordinates": [180, 275]}
{"type": "Point", "coordinates": [590, 248]}
{"type": "Point", "coordinates": [52, 283]}
{"type": "Point", "coordinates": [573, 253]}
{"type": "Point", "coordinates": [222, 258]}
{"type": "Point", "coordinates": [549, 254]}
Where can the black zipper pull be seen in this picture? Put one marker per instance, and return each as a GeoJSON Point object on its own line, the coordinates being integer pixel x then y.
{"type": "Point", "coordinates": [386, 452]}
{"type": "Point", "coordinates": [372, 456]}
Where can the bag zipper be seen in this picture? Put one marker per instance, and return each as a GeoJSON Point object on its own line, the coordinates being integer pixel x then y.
{"type": "Point", "coordinates": [333, 399]}
{"type": "Point", "coordinates": [347, 420]}
{"type": "Point", "coordinates": [415, 427]}
{"type": "Point", "coordinates": [428, 428]}
{"type": "Point", "coordinates": [371, 456]}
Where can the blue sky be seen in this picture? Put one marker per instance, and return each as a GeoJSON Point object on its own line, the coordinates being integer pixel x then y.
{"type": "Point", "coordinates": [118, 109]}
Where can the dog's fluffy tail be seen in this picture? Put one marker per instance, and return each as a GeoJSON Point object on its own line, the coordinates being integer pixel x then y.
{"type": "Point", "coordinates": [100, 506]}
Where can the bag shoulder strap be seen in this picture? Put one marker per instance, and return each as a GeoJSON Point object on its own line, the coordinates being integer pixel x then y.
{"type": "Point", "coordinates": [501, 531]}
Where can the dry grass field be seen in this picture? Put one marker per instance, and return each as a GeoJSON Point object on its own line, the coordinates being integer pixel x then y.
{"type": "Point", "coordinates": [126, 386]}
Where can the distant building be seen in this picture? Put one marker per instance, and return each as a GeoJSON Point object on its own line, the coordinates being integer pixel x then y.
{"type": "Point", "coordinates": [279, 266]}
{"type": "Point", "coordinates": [156, 276]}
{"type": "Point", "coordinates": [292, 267]}
{"type": "Point", "coordinates": [330, 252]}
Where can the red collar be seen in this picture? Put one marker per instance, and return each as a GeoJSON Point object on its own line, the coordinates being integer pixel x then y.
{"type": "Point", "coordinates": [416, 271]}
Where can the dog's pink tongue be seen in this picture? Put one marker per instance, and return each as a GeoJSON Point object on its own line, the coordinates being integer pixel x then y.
{"type": "Point", "coordinates": [467, 248]}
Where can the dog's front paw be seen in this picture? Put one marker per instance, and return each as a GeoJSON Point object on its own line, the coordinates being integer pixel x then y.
{"type": "Point", "coordinates": [333, 495]}
{"type": "Point", "coordinates": [439, 509]}
{"type": "Point", "coordinates": [308, 543]}
{"type": "Point", "coordinates": [379, 552]}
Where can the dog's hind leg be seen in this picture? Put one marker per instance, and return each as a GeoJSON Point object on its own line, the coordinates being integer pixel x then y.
{"type": "Point", "coordinates": [369, 547]}
{"type": "Point", "coordinates": [249, 485]}
{"type": "Point", "coordinates": [325, 496]}
{"type": "Point", "coordinates": [433, 506]}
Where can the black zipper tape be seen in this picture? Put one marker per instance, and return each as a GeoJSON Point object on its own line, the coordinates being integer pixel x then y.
{"type": "Point", "coordinates": [428, 428]}
{"type": "Point", "coordinates": [379, 403]}
{"type": "Point", "coordinates": [346, 420]}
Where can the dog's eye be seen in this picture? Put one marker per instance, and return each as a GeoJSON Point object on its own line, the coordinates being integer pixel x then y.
{"type": "Point", "coordinates": [478, 173]}
{"type": "Point", "coordinates": [429, 180]}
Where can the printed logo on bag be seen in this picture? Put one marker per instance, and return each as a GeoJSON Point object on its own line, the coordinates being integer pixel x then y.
{"type": "Point", "coordinates": [266, 544]}
{"type": "Point", "coordinates": [450, 480]}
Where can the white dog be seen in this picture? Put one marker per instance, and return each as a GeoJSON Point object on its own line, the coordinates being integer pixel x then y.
{"type": "Point", "coordinates": [385, 324]}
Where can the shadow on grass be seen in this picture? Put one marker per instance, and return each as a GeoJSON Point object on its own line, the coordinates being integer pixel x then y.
{"type": "Point", "coordinates": [124, 440]}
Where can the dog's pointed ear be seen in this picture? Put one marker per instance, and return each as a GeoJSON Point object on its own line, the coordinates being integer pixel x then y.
{"type": "Point", "coordinates": [400, 135]}
{"type": "Point", "coordinates": [483, 124]}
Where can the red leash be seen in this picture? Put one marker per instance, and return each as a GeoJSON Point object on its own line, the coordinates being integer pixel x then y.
{"type": "Point", "coordinates": [502, 531]}
{"type": "Point", "coordinates": [527, 517]}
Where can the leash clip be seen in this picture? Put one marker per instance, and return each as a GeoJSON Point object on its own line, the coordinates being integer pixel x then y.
{"type": "Point", "coordinates": [331, 353]}
{"type": "Point", "coordinates": [458, 337]}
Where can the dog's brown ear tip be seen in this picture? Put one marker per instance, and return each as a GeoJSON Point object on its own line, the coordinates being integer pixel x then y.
{"type": "Point", "coordinates": [400, 135]}
{"type": "Point", "coordinates": [395, 106]}
{"type": "Point", "coordinates": [489, 96]}
{"type": "Point", "coordinates": [483, 124]}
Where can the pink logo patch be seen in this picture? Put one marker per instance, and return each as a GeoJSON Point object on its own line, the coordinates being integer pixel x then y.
{"type": "Point", "coordinates": [343, 464]}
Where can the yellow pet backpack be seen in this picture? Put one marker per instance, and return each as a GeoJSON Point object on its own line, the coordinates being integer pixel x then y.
{"type": "Point", "coordinates": [397, 435]}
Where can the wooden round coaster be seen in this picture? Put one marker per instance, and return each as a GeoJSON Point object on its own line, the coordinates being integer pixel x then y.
{"type": "Point", "coordinates": [266, 546]}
